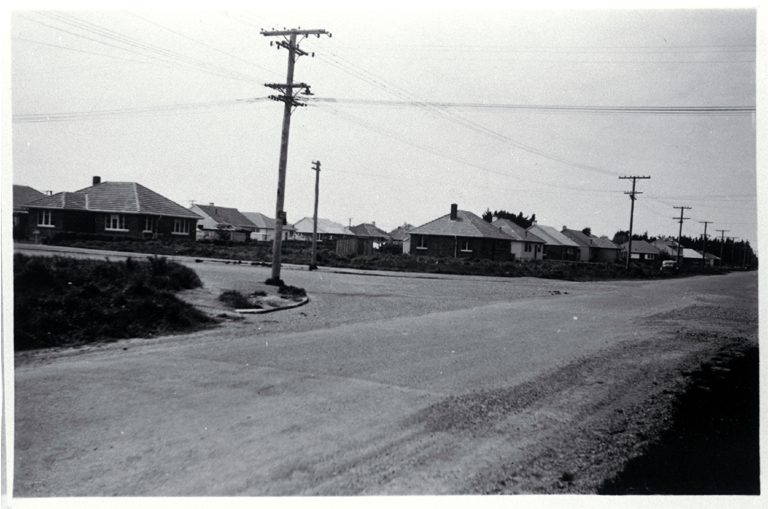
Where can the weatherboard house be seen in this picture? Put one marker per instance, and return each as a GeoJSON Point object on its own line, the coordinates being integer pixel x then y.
{"type": "Point", "coordinates": [460, 234]}
{"type": "Point", "coordinates": [525, 245]}
{"type": "Point", "coordinates": [122, 209]}
{"type": "Point", "coordinates": [222, 223]}
{"type": "Point", "coordinates": [557, 246]}
{"type": "Point", "coordinates": [592, 248]}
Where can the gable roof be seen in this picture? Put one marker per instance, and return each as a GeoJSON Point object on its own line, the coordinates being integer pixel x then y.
{"type": "Point", "coordinates": [551, 236]}
{"type": "Point", "coordinates": [324, 226]}
{"type": "Point", "coordinates": [115, 197]}
{"type": "Point", "coordinates": [369, 230]}
{"type": "Point", "coordinates": [584, 240]}
{"type": "Point", "coordinates": [264, 222]}
{"type": "Point", "coordinates": [640, 247]}
{"type": "Point", "coordinates": [23, 195]}
{"type": "Point", "coordinates": [226, 215]}
{"type": "Point", "coordinates": [401, 232]}
{"type": "Point", "coordinates": [517, 232]}
{"type": "Point", "coordinates": [466, 224]}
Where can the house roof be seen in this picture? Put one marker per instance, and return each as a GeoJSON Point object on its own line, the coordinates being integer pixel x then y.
{"type": "Point", "coordinates": [324, 226]}
{"type": "Point", "coordinates": [466, 224]}
{"type": "Point", "coordinates": [640, 247]}
{"type": "Point", "coordinates": [226, 215]}
{"type": "Point", "coordinates": [263, 222]}
{"type": "Point", "coordinates": [551, 236]}
{"type": "Point", "coordinates": [369, 230]}
{"type": "Point", "coordinates": [115, 197]}
{"type": "Point", "coordinates": [23, 195]}
{"type": "Point", "coordinates": [517, 232]}
{"type": "Point", "coordinates": [584, 240]}
{"type": "Point", "coordinates": [401, 232]}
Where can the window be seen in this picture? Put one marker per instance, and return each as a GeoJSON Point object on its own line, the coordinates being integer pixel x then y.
{"type": "Point", "coordinates": [115, 222]}
{"type": "Point", "coordinates": [527, 247]}
{"type": "Point", "coordinates": [650, 256]}
{"type": "Point", "coordinates": [149, 224]}
{"type": "Point", "coordinates": [465, 247]}
{"type": "Point", "coordinates": [422, 242]}
{"type": "Point", "coordinates": [180, 226]}
{"type": "Point", "coordinates": [44, 218]}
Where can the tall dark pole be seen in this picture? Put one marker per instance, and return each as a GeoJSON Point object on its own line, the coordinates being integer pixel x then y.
{"type": "Point", "coordinates": [722, 244]}
{"type": "Point", "coordinates": [631, 214]}
{"type": "Point", "coordinates": [704, 250]}
{"type": "Point", "coordinates": [680, 234]}
{"type": "Point", "coordinates": [289, 98]}
{"type": "Point", "coordinates": [316, 167]}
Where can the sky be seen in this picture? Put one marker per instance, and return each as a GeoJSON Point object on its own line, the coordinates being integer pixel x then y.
{"type": "Point", "coordinates": [533, 111]}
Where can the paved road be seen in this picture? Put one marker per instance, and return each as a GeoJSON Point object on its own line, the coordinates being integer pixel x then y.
{"type": "Point", "coordinates": [310, 400]}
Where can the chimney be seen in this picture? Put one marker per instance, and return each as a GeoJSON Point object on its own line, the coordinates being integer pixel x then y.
{"type": "Point", "coordinates": [210, 204]}
{"type": "Point", "coordinates": [96, 180]}
{"type": "Point", "coordinates": [454, 212]}
{"type": "Point", "coordinates": [373, 223]}
{"type": "Point", "coordinates": [565, 227]}
{"type": "Point", "coordinates": [49, 193]}
{"type": "Point", "coordinates": [494, 219]}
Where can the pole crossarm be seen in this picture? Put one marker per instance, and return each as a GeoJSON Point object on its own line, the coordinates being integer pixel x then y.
{"type": "Point", "coordinates": [294, 31]}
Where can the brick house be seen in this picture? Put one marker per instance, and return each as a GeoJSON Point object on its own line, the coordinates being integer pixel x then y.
{"type": "Point", "coordinates": [525, 245]}
{"type": "Point", "coordinates": [122, 209]}
{"type": "Point", "coordinates": [460, 234]}
{"type": "Point", "coordinates": [222, 223]}
{"type": "Point", "coordinates": [592, 248]}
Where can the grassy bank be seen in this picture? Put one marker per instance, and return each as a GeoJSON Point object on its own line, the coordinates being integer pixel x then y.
{"type": "Point", "coordinates": [60, 301]}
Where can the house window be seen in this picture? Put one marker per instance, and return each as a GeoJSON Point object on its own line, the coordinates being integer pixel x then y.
{"type": "Point", "coordinates": [465, 247]}
{"type": "Point", "coordinates": [44, 218]}
{"type": "Point", "coordinates": [422, 243]}
{"type": "Point", "coordinates": [650, 256]}
{"type": "Point", "coordinates": [149, 224]}
{"type": "Point", "coordinates": [180, 226]}
{"type": "Point", "coordinates": [527, 247]}
{"type": "Point", "coordinates": [115, 222]}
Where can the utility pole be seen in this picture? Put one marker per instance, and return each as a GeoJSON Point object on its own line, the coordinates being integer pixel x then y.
{"type": "Point", "coordinates": [680, 234]}
{"type": "Point", "coordinates": [722, 244]}
{"type": "Point", "coordinates": [289, 98]}
{"type": "Point", "coordinates": [704, 250]}
{"type": "Point", "coordinates": [631, 213]}
{"type": "Point", "coordinates": [316, 168]}
{"type": "Point", "coordinates": [733, 245]}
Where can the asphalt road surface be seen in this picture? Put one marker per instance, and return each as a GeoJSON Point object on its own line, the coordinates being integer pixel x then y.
{"type": "Point", "coordinates": [382, 384]}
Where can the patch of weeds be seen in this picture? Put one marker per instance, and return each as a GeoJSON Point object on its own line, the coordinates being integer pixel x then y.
{"type": "Point", "coordinates": [237, 300]}
{"type": "Point", "coordinates": [292, 291]}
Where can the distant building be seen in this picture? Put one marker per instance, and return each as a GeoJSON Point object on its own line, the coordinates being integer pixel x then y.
{"type": "Point", "coordinates": [22, 195]}
{"type": "Point", "coordinates": [557, 246]}
{"type": "Point", "coordinates": [118, 209]}
{"type": "Point", "coordinates": [326, 229]}
{"type": "Point", "coordinates": [372, 232]}
{"type": "Point", "coordinates": [592, 248]}
{"type": "Point", "coordinates": [222, 223]}
{"type": "Point", "coordinates": [641, 251]}
{"type": "Point", "coordinates": [525, 245]}
{"type": "Point", "coordinates": [460, 234]}
{"type": "Point", "coordinates": [265, 227]}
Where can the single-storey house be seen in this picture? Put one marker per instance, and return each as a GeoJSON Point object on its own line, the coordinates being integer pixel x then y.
{"type": "Point", "coordinates": [460, 234]}
{"type": "Point", "coordinates": [592, 248]}
{"type": "Point", "coordinates": [21, 196]}
{"type": "Point", "coordinates": [666, 245]}
{"type": "Point", "coordinates": [265, 227]}
{"type": "Point", "coordinates": [525, 245]}
{"type": "Point", "coordinates": [222, 223]}
{"type": "Point", "coordinates": [641, 251]}
{"type": "Point", "coordinates": [370, 231]}
{"type": "Point", "coordinates": [557, 246]}
{"type": "Point", "coordinates": [400, 234]}
{"type": "Point", "coordinates": [124, 209]}
{"type": "Point", "coordinates": [326, 229]}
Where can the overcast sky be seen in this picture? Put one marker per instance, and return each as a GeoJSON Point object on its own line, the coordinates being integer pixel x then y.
{"type": "Point", "coordinates": [413, 111]}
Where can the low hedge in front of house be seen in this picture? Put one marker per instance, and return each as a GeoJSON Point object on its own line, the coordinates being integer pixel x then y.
{"type": "Point", "coordinates": [63, 301]}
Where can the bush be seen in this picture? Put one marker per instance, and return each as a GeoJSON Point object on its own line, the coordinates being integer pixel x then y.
{"type": "Point", "coordinates": [62, 301]}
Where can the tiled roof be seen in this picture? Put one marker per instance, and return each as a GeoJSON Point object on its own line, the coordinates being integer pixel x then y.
{"type": "Point", "coordinates": [115, 197]}
{"type": "Point", "coordinates": [400, 233]}
{"type": "Point", "coordinates": [263, 222]}
{"type": "Point", "coordinates": [324, 226]}
{"type": "Point", "coordinates": [25, 194]}
{"type": "Point", "coordinates": [585, 240]}
{"type": "Point", "coordinates": [466, 224]}
{"type": "Point", "coordinates": [551, 236]}
{"type": "Point", "coordinates": [226, 215]}
{"type": "Point", "coordinates": [516, 231]}
{"type": "Point", "coordinates": [641, 247]}
{"type": "Point", "coordinates": [369, 230]}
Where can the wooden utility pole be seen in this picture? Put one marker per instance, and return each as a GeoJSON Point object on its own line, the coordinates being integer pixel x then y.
{"type": "Point", "coordinates": [680, 234]}
{"type": "Point", "coordinates": [722, 244]}
{"type": "Point", "coordinates": [316, 167]}
{"type": "Point", "coordinates": [704, 250]}
{"type": "Point", "coordinates": [289, 98]}
{"type": "Point", "coordinates": [631, 213]}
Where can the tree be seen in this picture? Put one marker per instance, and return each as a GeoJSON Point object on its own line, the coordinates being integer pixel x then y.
{"type": "Point", "coordinates": [587, 231]}
{"type": "Point", "coordinates": [519, 219]}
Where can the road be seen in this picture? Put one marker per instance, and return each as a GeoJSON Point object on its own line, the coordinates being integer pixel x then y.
{"type": "Point", "coordinates": [380, 385]}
